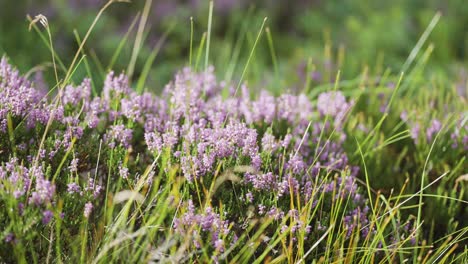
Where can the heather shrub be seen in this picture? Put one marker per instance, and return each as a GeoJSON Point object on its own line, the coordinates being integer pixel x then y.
{"type": "Point", "coordinates": [214, 168]}
{"type": "Point", "coordinates": [286, 164]}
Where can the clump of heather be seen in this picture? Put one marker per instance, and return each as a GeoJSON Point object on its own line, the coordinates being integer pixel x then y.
{"type": "Point", "coordinates": [201, 172]}
{"type": "Point", "coordinates": [204, 227]}
{"type": "Point", "coordinates": [18, 100]}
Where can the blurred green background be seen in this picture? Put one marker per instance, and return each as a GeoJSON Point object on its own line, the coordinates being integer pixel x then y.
{"type": "Point", "coordinates": [378, 34]}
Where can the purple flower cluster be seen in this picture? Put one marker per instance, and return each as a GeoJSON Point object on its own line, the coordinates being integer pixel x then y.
{"type": "Point", "coordinates": [212, 145]}
{"type": "Point", "coordinates": [75, 95]}
{"type": "Point", "coordinates": [458, 131]}
{"type": "Point", "coordinates": [207, 223]}
{"type": "Point", "coordinates": [28, 185]}
{"type": "Point", "coordinates": [18, 99]}
{"type": "Point", "coordinates": [88, 209]}
{"type": "Point", "coordinates": [203, 132]}
{"type": "Point", "coordinates": [357, 218]}
{"type": "Point", "coordinates": [459, 135]}
{"type": "Point", "coordinates": [333, 104]}
{"type": "Point", "coordinates": [118, 134]}
{"type": "Point", "coordinates": [212, 130]}
{"type": "Point", "coordinates": [433, 129]}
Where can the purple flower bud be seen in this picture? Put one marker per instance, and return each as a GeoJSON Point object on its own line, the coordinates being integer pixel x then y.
{"type": "Point", "coordinates": [9, 237]}
{"type": "Point", "coordinates": [73, 188]}
{"type": "Point", "coordinates": [119, 134]}
{"type": "Point", "coordinates": [73, 165]}
{"type": "Point", "coordinates": [433, 129]}
{"type": "Point", "coordinates": [123, 172]}
{"type": "Point", "coordinates": [88, 208]}
{"type": "Point", "coordinates": [47, 217]}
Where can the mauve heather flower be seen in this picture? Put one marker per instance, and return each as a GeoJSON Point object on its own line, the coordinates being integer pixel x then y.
{"type": "Point", "coordinates": [188, 92]}
{"type": "Point", "coordinates": [404, 116]}
{"type": "Point", "coordinates": [219, 245]}
{"type": "Point", "coordinates": [18, 98]}
{"type": "Point", "coordinates": [9, 237]}
{"type": "Point", "coordinates": [75, 95]}
{"type": "Point", "coordinates": [131, 108]}
{"type": "Point", "coordinates": [297, 110]}
{"type": "Point", "coordinates": [44, 190]}
{"type": "Point", "coordinates": [93, 188]}
{"type": "Point", "coordinates": [264, 108]}
{"type": "Point", "coordinates": [296, 164]}
{"type": "Point", "coordinates": [73, 188]}
{"type": "Point", "coordinates": [269, 143]}
{"type": "Point", "coordinates": [73, 165]}
{"type": "Point", "coordinates": [266, 181]}
{"type": "Point", "coordinates": [88, 208]}
{"type": "Point", "coordinates": [249, 197]}
{"type": "Point", "coordinates": [47, 217]}
{"type": "Point", "coordinates": [119, 134]}
{"type": "Point", "coordinates": [123, 172]}
{"type": "Point", "coordinates": [415, 132]}
{"type": "Point", "coordinates": [115, 87]}
{"type": "Point", "coordinates": [40, 83]}
{"type": "Point", "coordinates": [435, 126]}
{"type": "Point", "coordinates": [333, 104]}
{"type": "Point", "coordinates": [209, 222]}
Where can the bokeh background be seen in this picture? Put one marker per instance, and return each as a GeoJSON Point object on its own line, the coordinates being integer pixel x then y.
{"type": "Point", "coordinates": [377, 34]}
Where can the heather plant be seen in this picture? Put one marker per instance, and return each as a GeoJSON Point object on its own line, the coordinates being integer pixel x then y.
{"type": "Point", "coordinates": [225, 157]}
{"type": "Point", "coordinates": [213, 169]}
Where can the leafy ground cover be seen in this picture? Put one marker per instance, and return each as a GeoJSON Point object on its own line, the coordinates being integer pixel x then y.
{"type": "Point", "coordinates": [258, 159]}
